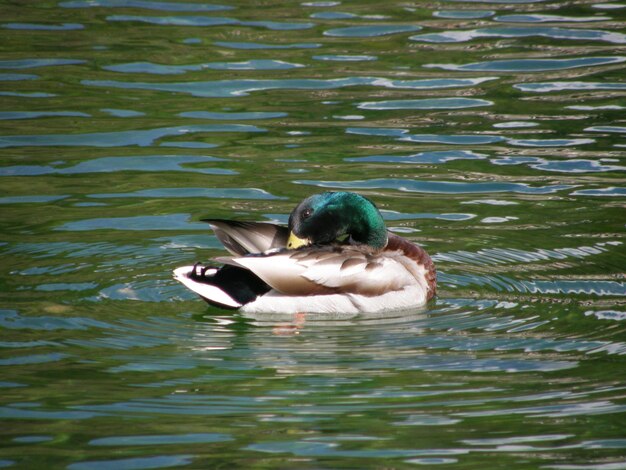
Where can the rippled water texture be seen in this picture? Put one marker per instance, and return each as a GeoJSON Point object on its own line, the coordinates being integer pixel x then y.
{"type": "Point", "coordinates": [489, 131]}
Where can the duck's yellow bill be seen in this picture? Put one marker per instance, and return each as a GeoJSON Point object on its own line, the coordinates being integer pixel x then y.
{"type": "Point", "coordinates": [294, 242]}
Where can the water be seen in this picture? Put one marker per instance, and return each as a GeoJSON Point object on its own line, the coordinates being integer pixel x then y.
{"type": "Point", "coordinates": [491, 132]}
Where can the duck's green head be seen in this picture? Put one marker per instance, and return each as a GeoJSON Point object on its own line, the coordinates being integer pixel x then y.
{"type": "Point", "coordinates": [326, 217]}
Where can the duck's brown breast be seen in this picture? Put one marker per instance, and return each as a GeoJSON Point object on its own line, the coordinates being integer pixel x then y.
{"type": "Point", "coordinates": [417, 254]}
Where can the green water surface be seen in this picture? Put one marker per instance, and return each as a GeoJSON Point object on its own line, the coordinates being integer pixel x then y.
{"type": "Point", "coordinates": [490, 132]}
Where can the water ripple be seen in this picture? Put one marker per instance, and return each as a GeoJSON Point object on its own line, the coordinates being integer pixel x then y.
{"type": "Point", "coordinates": [161, 439]}
{"type": "Point", "coordinates": [370, 31]}
{"type": "Point", "coordinates": [8, 115]}
{"type": "Point", "coordinates": [209, 21]}
{"type": "Point", "coordinates": [14, 412]}
{"type": "Point", "coordinates": [562, 286]}
{"type": "Point", "coordinates": [321, 4]}
{"type": "Point", "coordinates": [112, 164]}
{"type": "Point", "coordinates": [538, 18]}
{"type": "Point", "coordinates": [108, 254]}
{"type": "Point", "coordinates": [245, 116]}
{"type": "Point", "coordinates": [404, 136]}
{"type": "Point", "coordinates": [44, 27]}
{"type": "Point", "coordinates": [156, 461]}
{"type": "Point", "coordinates": [495, 256]}
{"type": "Point", "coordinates": [333, 15]}
{"type": "Point", "coordinates": [608, 6]}
{"type": "Point", "coordinates": [159, 69]}
{"type": "Point", "coordinates": [618, 129]}
{"type": "Point", "coordinates": [261, 45]}
{"type": "Point", "coordinates": [140, 222]}
{"type": "Point", "coordinates": [238, 87]}
{"type": "Point", "coordinates": [529, 65]}
{"type": "Point", "coordinates": [607, 107]}
{"type": "Point", "coordinates": [218, 193]}
{"type": "Point", "coordinates": [546, 87]}
{"type": "Point", "coordinates": [604, 192]}
{"type": "Point", "coordinates": [434, 157]}
{"type": "Point", "coordinates": [33, 94]}
{"type": "Point", "coordinates": [436, 187]}
{"type": "Point", "coordinates": [33, 359]}
{"type": "Point", "coordinates": [16, 77]}
{"type": "Point", "coordinates": [575, 165]}
{"type": "Point", "coordinates": [141, 138]}
{"type": "Point", "coordinates": [145, 4]}
{"type": "Point", "coordinates": [66, 286]}
{"type": "Point", "coordinates": [432, 103]}
{"type": "Point", "coordinates": [33, 63]}
{"type": "Point", "coordinates": [555, 411]}
{"type": "Point", "coordinates": [345, 58]}
{"type": "Point", "coordinates": [550, 142]}
{"type": "Point", "coordinates": [395, 215]}
{"type": "Point", "coordinates": [122, 113]}
{"type": "Point", "coordinates": [491, 202]}
{"type": "Point", "coordinates": [31, 199]}
{"type": "Point", "coordinates": [614, 315]}
{"type": "Point", "coordinates": [515, 124]}
{"type": "Point", "coordinates": [32, 439]}
{"type": "Point", "coordinates": [522, 32]}
{"type": "Point", "coordinates": [310, 448]}
{"type": "Point", "coordinates": [464, 14]}
{"type": "Point", "coordinates": [516, 439]}
{"type": "Point", "coordinates": [13, 320]}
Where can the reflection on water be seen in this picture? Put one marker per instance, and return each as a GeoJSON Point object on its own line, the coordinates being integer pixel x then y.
{"type": "Point", "coordinates": [371, 30]}
{"type": "Point", "coordinates": [113, 164]}
{"type": "Point", "coordinates": [530, 65]}
{"type": "Point", "coordinates": [145, 4]}
{"type": "Point", "coordinates": [158, 69]}
{"type": "Point", "coordinates": [238, 88]}
{"type": "Point", "coordinates": [488, 131]}
{"type": "Point", "coordinates": [522, 32]}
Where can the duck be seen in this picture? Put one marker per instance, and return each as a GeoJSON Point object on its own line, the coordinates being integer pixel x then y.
{"type": "Point", "coordinates": [335, 255]}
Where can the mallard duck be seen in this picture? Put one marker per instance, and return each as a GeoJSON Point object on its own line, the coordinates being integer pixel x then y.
{"type": "Point", "coordinates": [336, 255]}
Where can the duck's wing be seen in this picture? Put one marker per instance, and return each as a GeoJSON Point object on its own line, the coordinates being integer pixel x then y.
{"type": "Point", "coordinates": [243, 238]}
{"type": "Point", "coordinates": [327, 270]}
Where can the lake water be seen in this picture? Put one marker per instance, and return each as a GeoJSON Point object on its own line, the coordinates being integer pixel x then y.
{"type": "Point", "coordinates": [491, 132]}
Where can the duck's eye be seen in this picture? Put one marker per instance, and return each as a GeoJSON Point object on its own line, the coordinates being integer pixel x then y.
{"type": "Point", "coordinates": [306, 213]}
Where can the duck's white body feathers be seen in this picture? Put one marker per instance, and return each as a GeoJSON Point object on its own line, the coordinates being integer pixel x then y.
{"type": "Point", "coordinates": [275, 302]}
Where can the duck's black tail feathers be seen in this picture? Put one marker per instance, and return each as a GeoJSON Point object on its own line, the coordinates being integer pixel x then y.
{"type": "Point", "coordinates": [226, 287]}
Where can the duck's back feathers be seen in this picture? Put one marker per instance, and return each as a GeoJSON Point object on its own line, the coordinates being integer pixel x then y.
{"type": "Point", "coordinates": [346, 269]}
{"type": "Point", "coordinates": [243, 238]}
